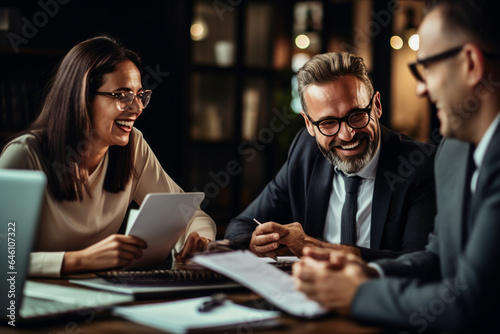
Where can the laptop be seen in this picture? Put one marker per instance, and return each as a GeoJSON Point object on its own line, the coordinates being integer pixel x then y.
{"type": "Point", "coordinates": [21, 196]}
{"type": "Point", "coordinates": [160, 221]}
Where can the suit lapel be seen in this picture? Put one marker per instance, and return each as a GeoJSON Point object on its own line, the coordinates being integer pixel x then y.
{"type": "Point", "coordinates": [490, 159]}
{"type": "Point", "coordinates": [382, 192]}
{"type": "Point", "coordinates": [318, 197]}
{"type": "Point", "coordinates": [450, 189]}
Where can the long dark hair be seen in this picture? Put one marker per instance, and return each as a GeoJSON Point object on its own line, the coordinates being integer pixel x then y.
{"type": "Point", "coordinates": [64, 126]}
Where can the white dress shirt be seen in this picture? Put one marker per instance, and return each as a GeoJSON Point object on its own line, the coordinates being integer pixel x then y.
{"type": "Point", "coordinates": [480, 151]}
{"type": "Point", "coordinates": [365, 197]}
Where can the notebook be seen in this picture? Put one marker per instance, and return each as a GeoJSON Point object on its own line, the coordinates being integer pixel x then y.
{"type": "Point", "coordinates": [184, 316]}
{"type": "Point", "coordinates": [21, 196]}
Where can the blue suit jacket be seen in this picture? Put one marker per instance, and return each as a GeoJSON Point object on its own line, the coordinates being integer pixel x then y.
{"type": "Point", "coordinates": [403, 206]}
{"type": "Point", "coordinates": [454, 281]}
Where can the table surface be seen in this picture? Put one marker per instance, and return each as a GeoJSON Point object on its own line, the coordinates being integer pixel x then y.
{"type": "Point", "coordinates": [103, 322]}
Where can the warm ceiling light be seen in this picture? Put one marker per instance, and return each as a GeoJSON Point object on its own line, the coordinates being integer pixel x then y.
{"type": "Point", "coordinates": [199, 30]}
{"type": "Point", "coordinates": [396, 42]}
{"type": "Point", "coordinates": [414, 42]}
{"type": "Point", "coordinates": [302, 41]}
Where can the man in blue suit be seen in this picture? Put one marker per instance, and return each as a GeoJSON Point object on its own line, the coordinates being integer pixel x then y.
{"type": "Point", "coordinates": [343, 142]}
{"type": "Point", "coordinates": [453, 283]}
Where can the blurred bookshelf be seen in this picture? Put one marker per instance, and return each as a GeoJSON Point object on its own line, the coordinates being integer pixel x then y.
{"type": "Point", "coordinates": [22, 83]}
{"type": "Point", "coordinates": [240, 73]}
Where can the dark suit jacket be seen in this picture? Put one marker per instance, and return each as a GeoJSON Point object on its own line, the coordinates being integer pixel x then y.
{"type": "Point", "coordinates": [458, 272]}
{"type": "Point", "coordinates": [403, 206]}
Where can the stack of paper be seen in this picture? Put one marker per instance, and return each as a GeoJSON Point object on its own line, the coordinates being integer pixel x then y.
{"type": "Point", "coordinates": [183, 316]}
{"type": "Point", "coordinates": [271, 283]}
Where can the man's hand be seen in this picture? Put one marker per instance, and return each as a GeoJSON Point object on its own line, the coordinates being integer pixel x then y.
{"type": "Point", "coordinates": [297, 239]}
{"type": "Point", "coordinates": [266, 239]}
{"type": "Point", "coordinates": [331, 279]}
{"type": "Point", "coordinates": [116, 251]}
{"type": "Point", "coordinates": [194, 243]}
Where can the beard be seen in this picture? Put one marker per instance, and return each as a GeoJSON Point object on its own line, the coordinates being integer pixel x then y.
{"type": "Point", "coordinates": [351, 164]}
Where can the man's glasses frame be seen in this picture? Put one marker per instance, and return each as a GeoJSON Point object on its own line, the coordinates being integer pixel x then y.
{"type": "Point", "coordinates": [125, 99]}
{"type": "Point", "coordinates": [417, 67]}
{"type": "Point", "coordinates": [349, 119]}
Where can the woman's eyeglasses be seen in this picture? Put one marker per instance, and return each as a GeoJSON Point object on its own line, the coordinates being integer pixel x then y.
{"type": "Point", "coordinates": [125, 99]}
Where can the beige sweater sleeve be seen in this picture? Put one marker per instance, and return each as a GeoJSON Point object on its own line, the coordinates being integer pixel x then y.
{"type": "Point", "coordinates": [22, 154]}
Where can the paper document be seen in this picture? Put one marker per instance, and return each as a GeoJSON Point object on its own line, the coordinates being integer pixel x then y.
{"type": "Point", "coordinates": [183, 316]}
{"type": "Point", "coordinates": [160, 221]}
{"type": "Point", "coordinates": [279, 259]}
{"type": "Point", "coordinates": [132, 216]}
{"type": "Point", "coordinates": [271, 283]}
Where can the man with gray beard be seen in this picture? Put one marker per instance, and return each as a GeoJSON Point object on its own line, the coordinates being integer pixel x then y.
{"type": "Point", "coordinates": [367, 190]}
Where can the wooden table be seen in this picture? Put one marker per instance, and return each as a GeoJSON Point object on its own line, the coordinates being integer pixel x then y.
{"type": "Point", "coordinates": [103, 322]}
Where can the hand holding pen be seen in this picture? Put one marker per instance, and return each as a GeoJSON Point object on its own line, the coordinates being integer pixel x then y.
{"type": "Point", "coordinates": [267, 239]}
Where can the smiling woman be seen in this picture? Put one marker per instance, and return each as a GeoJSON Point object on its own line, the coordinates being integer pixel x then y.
{"type": "Point", "coordinates": [96, 163]}
{"type": "Point", "coordinates": [113, 114]}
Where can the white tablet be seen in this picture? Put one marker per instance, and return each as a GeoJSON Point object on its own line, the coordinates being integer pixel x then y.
{"type": "Point", "coordinates": [160, 221]}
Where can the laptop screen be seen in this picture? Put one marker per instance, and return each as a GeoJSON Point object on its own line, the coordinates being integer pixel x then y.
{"type": "Point", "coordinates": [21, 195]}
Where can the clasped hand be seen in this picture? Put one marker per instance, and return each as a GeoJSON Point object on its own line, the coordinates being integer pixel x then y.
{"type": "Point", "coordinates": [331, 278]}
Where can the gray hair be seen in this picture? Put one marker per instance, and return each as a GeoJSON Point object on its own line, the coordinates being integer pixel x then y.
{"type": "Point", "coordinates": [331, 66]}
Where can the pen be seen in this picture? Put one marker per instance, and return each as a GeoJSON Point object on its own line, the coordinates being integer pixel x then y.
{"type": "Point", "coordinates": [214, 301]}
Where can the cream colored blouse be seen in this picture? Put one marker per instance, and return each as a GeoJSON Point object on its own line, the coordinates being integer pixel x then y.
{"type": "Point", "coordinates": [67, 226]}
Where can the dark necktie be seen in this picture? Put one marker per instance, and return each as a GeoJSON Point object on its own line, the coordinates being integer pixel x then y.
{"type": "Point", "coordinates": [348, 223]}
{"type": "Point", "coordinates": [471, 167]}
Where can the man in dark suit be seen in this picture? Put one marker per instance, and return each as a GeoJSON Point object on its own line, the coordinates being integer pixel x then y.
{"type": "Point", "coordinates": [306, 202]}
{"type": "Point", "coordinates": [453, 283]}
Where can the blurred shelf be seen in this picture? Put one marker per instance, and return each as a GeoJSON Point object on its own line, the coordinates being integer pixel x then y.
{"type": "Point", "coordinates": [6, 134]}
{"type": "Point", "coordinates": [6, 50]}
{"type": "Point", "coordinates": [250, 70]}
{"type": "Point", "coordinates": [239, 64]}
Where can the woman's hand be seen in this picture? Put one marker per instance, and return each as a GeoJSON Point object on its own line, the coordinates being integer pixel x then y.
{"type": "Point", "coordinates": [115, 251]}
{"type": "Point", "coordinates": [194, 243]}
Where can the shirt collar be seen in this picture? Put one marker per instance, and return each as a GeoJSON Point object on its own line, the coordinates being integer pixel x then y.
{"type": "Point", "coordinates": [481, 148]}
{"type": "Point", "coordinates": [370, 170]}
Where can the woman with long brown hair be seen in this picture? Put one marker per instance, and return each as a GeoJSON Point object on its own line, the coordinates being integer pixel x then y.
{"type": "Point", "coordinates": [96, 163]}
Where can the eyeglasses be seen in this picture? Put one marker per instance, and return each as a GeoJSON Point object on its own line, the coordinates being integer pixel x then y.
{"type": "Point", "coordinates": [125, 99]}
{"type": "Point", "coordinates": [417, 68]}
{"type": "Point", "coordinates": [356, 119]}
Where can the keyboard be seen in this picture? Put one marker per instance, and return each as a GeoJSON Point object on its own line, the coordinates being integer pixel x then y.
{"type": "Point", "coordinates": [163, 276]}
